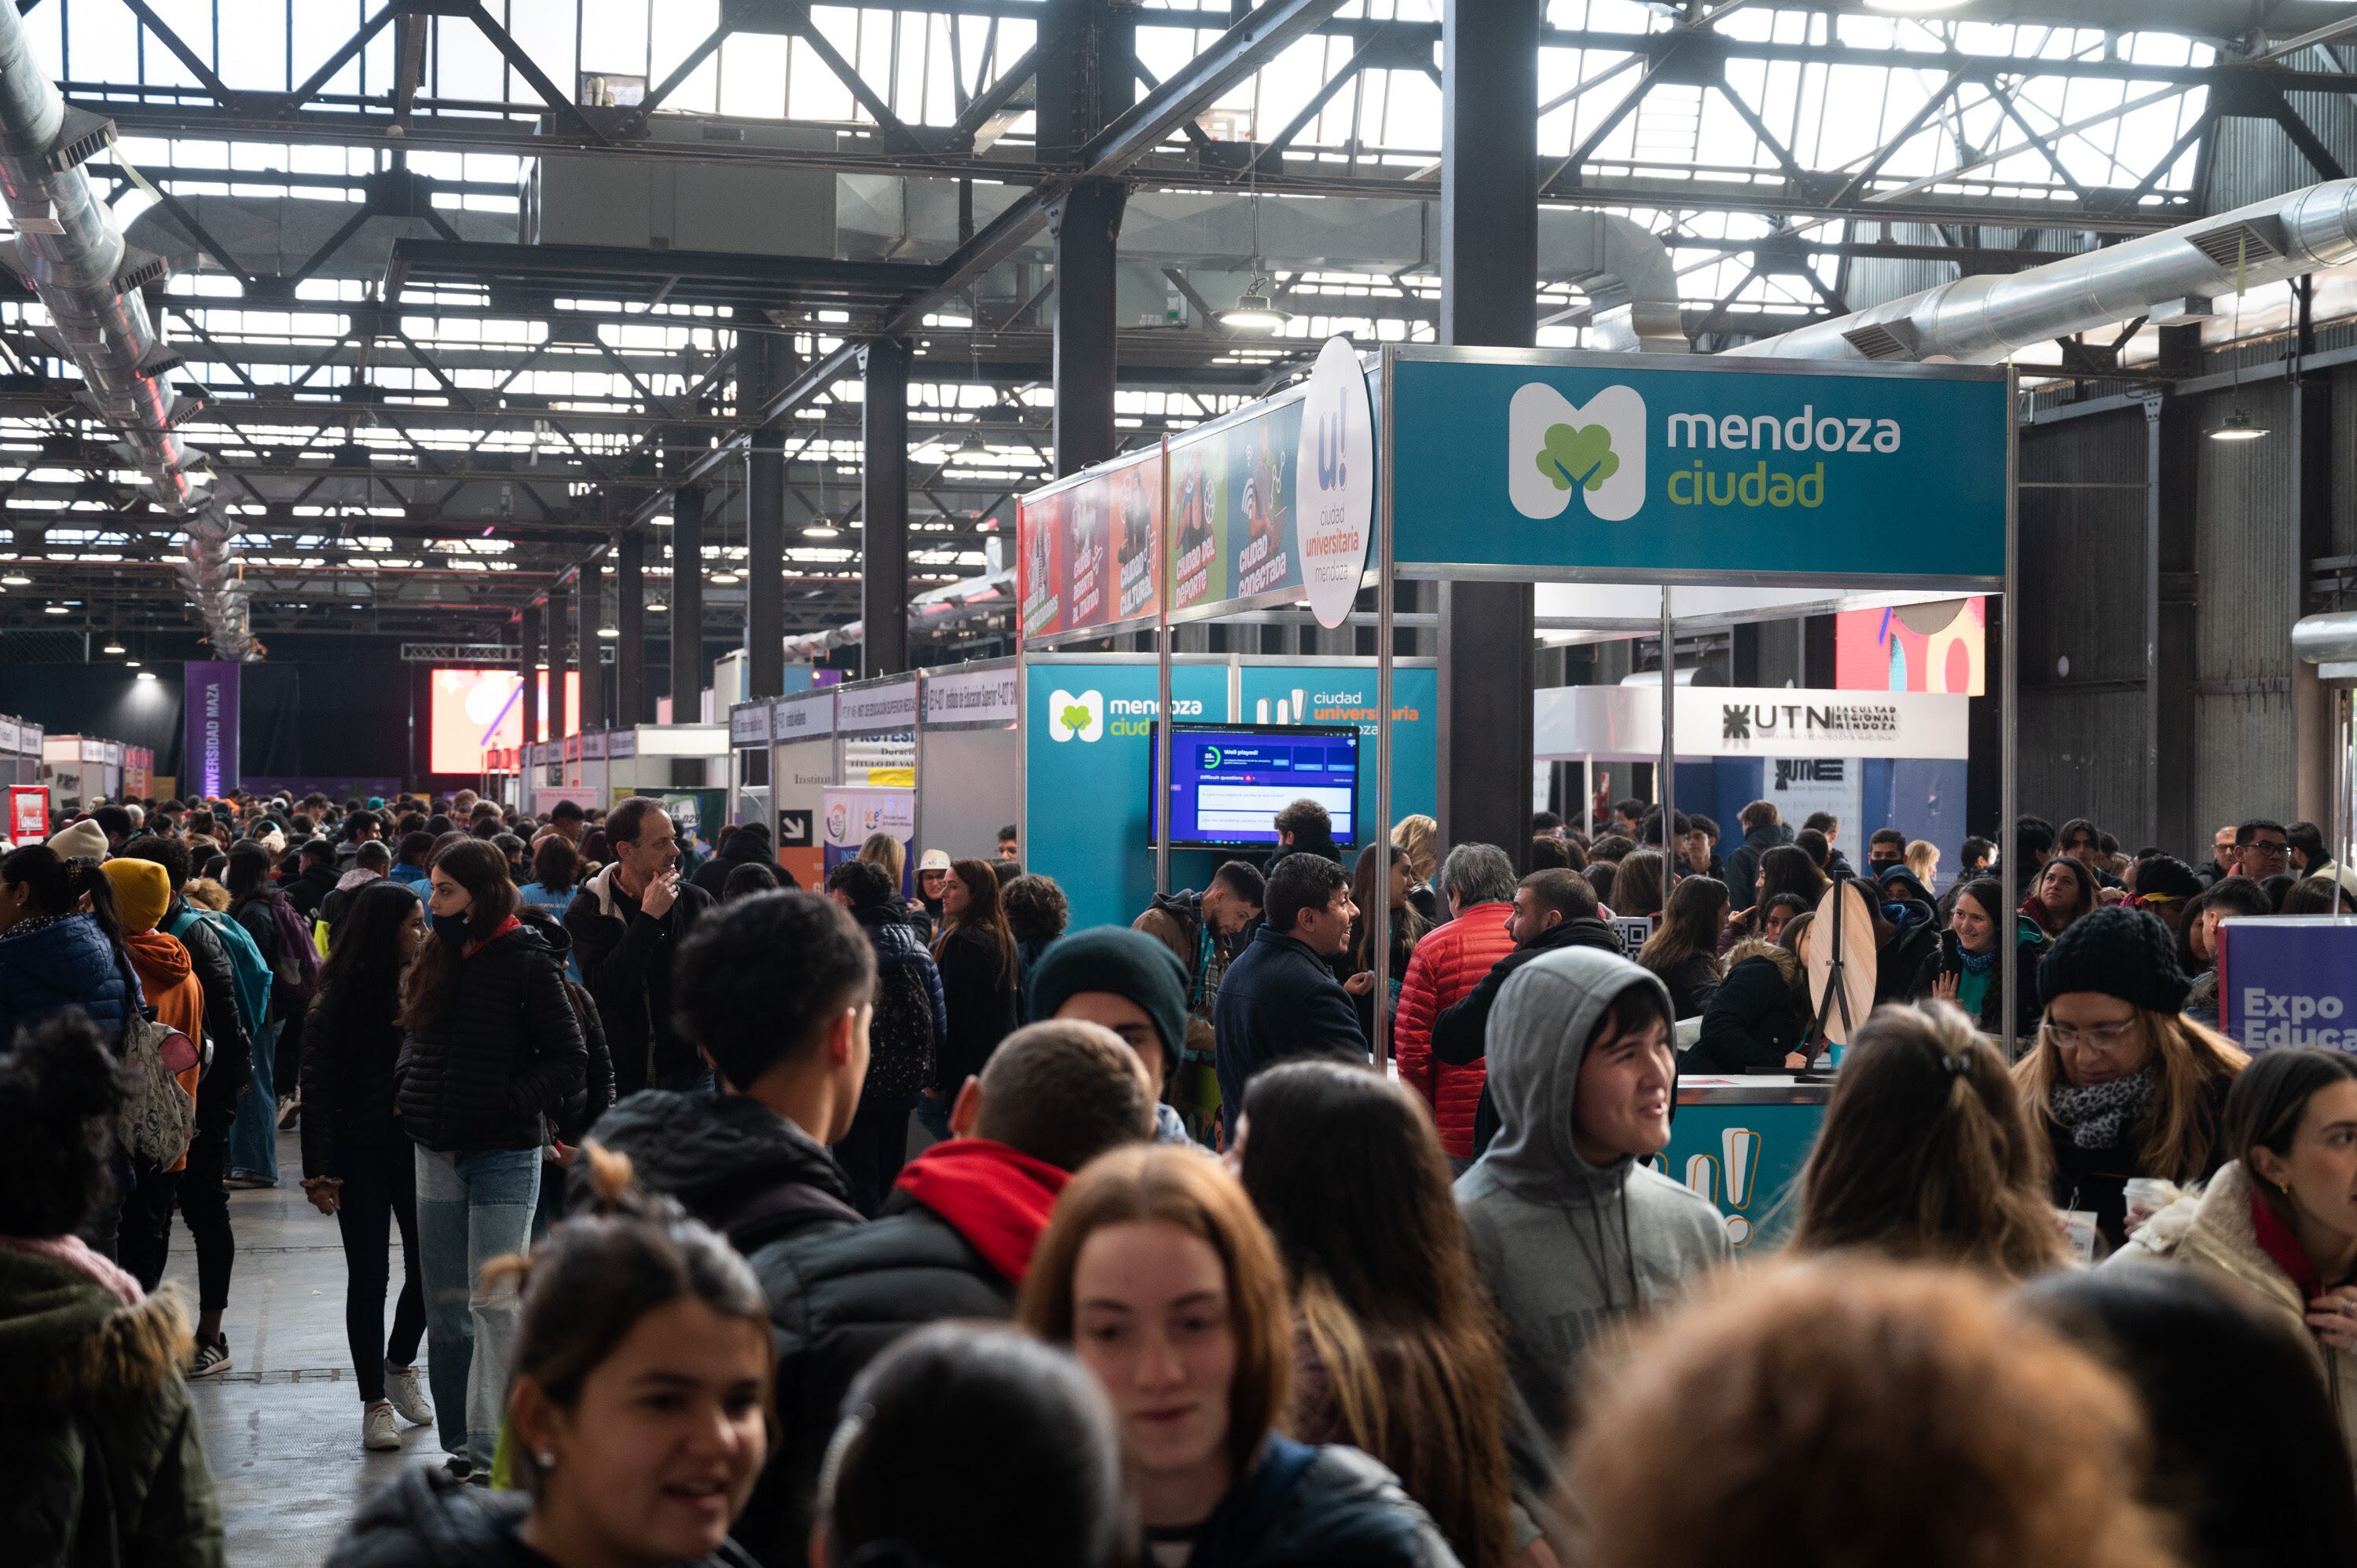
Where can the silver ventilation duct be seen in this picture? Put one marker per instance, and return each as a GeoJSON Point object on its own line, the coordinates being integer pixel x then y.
{"type": "Point", "coordinates": [70, 250]}
{"type": "Point", "coordinates": [1981, 320]}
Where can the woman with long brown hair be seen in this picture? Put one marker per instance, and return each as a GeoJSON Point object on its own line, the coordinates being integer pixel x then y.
{"type": "Point", "coordinates": [1637, 885]}
{"type": "Point", "coordinates": [2125, 1085]}
{"type": "Point", "coordinates": [2064, 892]}
{"type": "Point", "coordinates": [1683, 949]}
{"type": "Point", "coordinates": [1156, 1271]}
{"type": "Point", "coordinates": [1927, 1156]}
{"type": "Point", "coordinates": [492, 1047]}
{"type": "Point", "coordinates": [1394, 1353]}
{"type": "Point", "coordinates": [981, 979]}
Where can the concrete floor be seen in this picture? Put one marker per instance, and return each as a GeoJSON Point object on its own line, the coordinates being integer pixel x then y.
{"type": "Point", "coordinates": [282, 1428]}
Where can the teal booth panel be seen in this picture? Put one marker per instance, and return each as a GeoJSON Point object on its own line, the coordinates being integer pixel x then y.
{"type": "Point", "coordinates": [1635, 464]}
{"type": "Point", "coordinates": [1345, 693]}
{"type": "Point", "coordinates": [1088, 774]}
{"type": "Point", "coordinates": [1744, 1159]}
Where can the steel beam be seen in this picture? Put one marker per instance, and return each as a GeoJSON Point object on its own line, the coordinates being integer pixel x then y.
{"type": "Point", "coordinates": [762, 360]}
{"type": "Point", "coordinates": [560, 652]}
{"type": "Point", "coordinates": [688, 603]}
{"type": "Point", "coordinates": [528, 659]}
{"type": "Point", "coordinates": [630, 621]}
{"type": "Point", "coordinates": [592, 602]}
{"type": "Point", "coordinates": [1489, 251]}
{"type": "Point", "coordinates": [884, 511]}
{"type": "Point", "coordinates": [1087, 227]}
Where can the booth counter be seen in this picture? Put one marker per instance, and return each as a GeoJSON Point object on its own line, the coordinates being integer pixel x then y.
{"type": "Point", "coordinates": [1740, 1141]}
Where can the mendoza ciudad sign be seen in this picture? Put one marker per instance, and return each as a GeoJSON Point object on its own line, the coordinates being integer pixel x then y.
{"type": "Point", "coordinates": [1631, 463]}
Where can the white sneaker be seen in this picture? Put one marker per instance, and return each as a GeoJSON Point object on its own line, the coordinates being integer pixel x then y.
{"type": "Point", "coordinates": [402, 1388]}
{"type": "Point", "coordinates": [378, 1429]}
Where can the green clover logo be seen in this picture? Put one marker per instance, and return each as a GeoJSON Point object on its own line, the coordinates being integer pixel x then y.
{"type": "Point", "coordinates": [1076, 716]}
{"type": "Point", "coordinates": [1578, 456]}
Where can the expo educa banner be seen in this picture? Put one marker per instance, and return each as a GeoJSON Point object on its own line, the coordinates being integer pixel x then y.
{"type": "Point", "coordinates": [1619, 463]}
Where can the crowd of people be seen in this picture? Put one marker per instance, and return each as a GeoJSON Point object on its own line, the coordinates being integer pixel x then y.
{"type": "Point", "coordinates": [894, 1222]}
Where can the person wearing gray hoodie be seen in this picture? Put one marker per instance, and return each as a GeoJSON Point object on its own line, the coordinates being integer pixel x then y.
{"type": "Point", "coordinates": [1571, 1226]}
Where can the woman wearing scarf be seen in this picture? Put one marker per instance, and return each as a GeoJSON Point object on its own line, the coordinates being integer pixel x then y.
{"type": "Point", "coordinates": [2126, 1085]}
{"type": "Point", "coordinates": [1966, 968]}
{"type": "Point", "coordinates": [2065, 890]}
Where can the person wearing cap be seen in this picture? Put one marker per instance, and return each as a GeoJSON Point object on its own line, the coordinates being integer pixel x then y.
{"type": "Point", "coordinates": [932, 875]}
{"type": "Point", "coordinates": [2125, 1085]}
{"type": "Point", "coordinates": [2164, 887]}
{"type": "Point", "coordinates": [142, 892]}
{"type": "Point", "coordinates": [1132, 984]}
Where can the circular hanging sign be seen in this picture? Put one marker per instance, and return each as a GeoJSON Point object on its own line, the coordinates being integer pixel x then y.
{"type": "Point", "coordinates": [1334, 508]}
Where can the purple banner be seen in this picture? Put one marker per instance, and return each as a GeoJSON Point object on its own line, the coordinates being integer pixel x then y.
{"type": "Point", "coordinates": [209, 692]}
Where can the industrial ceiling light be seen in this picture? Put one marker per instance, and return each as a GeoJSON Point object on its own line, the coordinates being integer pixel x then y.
{"type": "Point", "coordinates": [724, 577]}
{"type": "Point", "coordinates": [15, 580]}
{"type": "Point", "coordinates": [54, 610]}
{"type": "Point", "coordinates": [2236, 426]}
{"type": "Point", "coordinates": [131, 664]}
{"type": "Point", "coordinates": [1911, 8]}
{"type": "Point", "coordinates": [113, 646]}
{"type": "Point", "coordinates": [608, 631]}
{"type": "Point", "coordinates": [821, 529]}
{"type": "Point", "coordinates": [657, 606]}
{"type": "Point", "coordinates": [1256, 311]}
{"type": "Point", "coordinates": [146, 675]}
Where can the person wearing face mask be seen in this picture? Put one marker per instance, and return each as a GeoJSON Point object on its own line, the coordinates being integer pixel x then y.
{"type": "Point", "coordinates": [492, 1048]}
{"type": "Point", "coordinates": [1571, 1229]}
{"type": "Point", "coordinates": [356, 1164]}
{"type": "Point", "coordinates": [1157, 1273]}
{"type": "Point", "coordinates": [2126, 1084]}
{"type": "Point", "coordinates": [2279, 1217]}
{"type": "Point", "coordinates": [640, 1405]}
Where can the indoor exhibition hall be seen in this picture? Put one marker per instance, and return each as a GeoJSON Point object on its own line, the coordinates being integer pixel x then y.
{"type": "Point", "coordinates": [1177, 783]}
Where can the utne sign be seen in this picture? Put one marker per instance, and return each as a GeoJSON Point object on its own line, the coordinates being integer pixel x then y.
{"type": "Point", "coordinates": [1629, 465]}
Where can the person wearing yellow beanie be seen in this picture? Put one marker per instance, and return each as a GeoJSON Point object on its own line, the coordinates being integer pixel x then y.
{"type": "Point", "coordinates": [143, 891]}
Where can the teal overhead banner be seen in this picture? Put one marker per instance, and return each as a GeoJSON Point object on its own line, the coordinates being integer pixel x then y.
{"type": "Point", "coordinates": [1345, 693]}
{"type": "Point", "coordinates": [1633, 464]}
{"type": "Point", "coordinates": [1085, 727]}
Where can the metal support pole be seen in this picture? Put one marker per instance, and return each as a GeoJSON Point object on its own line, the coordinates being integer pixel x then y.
{"type": "Point", "coordinates": [1489, 276]}
{"type": "Point", "coordinates": [561, 714]}
{"type": "Point", "coordinates": [1163, 744]}
{"type": "Point", "coordinates": [1587, 792]}
{"type": "Point", "coordinates": [630, 621]}
{"type": "Point", "coordinates": [760, 357]}
{"type": "Point", "coordinates": [593, 650]}
{"type": "Point", "coordinates": [1087, 227]}
{"type": "Point", "coordinates": [687, 605]}
{"type": "Point", "coordinates": [1378, 919]}
{"type": "Point", "coordinates": [528, 660]}
{"type": "Point", "coordinates": [2009, 719]}
{"type": "Point", "coordinates": [2151, 620]}
{"type": "Point", "coordinates": [883, 507]}
{"type": "Point", "coordinates": [1667, 788]}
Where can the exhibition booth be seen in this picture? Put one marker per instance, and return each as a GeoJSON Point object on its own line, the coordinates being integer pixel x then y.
{"type": "Point", "coordinates": [82, 769]}
{"type": "Point", "coordinates": [1634, 478]}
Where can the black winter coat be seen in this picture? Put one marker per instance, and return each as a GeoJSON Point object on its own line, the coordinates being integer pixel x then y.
{"type": "Point", "coordinates": [1319, 1508]}
{"type": "Point", "coordinates": [836, 1301]}
{"type": "Point", "coordinates": [742, 849]}
{"type": "Point", "coordinates": [507, 1052]}
{"type": "Point", "coordinates": [310, 890]}
{"type": "Point", "coordinates": [580, 1111]}
{"type": "Point", "coordinates": [2097, 1179]}
{"type": "Point", "coordinates": [1743, 864]}
{"type": "Point", "coordinates": [625, 956]}
{"type": "Point", "coordinates": [1692, 984]}
{"type": "Point", "coordinates": [351, 1051]}
{"type": "Point", "coordinates": [427, 1519]}
{"type": "Point", "coordinates": [1279, 1000]}
{"type": "Point", "coordinates": [1752, 1022]}
{"type": "Point", "coordinates": [732, 1162]}
{"type": "Point", "coordinates": [984, 1005]}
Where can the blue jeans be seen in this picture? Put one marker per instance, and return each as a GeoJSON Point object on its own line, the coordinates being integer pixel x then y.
{"type": "Point", "coordinates": [472, 1207]}
{"type": "Point", "coordinates": [253, 1137]}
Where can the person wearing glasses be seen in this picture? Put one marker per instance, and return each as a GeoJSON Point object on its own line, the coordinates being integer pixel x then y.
{"type": "Point", "coordinates": [2125, 1085]}
{"type": "Point", "coordinates": [2261, 849]}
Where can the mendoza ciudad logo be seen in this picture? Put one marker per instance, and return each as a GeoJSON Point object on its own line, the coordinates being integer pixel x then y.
{"type": "Point", "coordinates": [1596, 452]}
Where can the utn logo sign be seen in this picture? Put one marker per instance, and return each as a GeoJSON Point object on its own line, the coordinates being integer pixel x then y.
{"type": "Point", "coordinates": [1531, 463]}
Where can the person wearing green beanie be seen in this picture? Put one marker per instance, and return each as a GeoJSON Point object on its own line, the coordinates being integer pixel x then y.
{"type": "Point", "coordinates": [1132, 984]}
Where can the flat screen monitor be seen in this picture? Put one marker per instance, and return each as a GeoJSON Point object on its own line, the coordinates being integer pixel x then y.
{"type": "Point", "coordinates": [1229, 781]}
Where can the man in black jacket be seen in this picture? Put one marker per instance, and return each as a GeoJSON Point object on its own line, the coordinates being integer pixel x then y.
{"type": "Point", "coordinates": [1763, 830]}
{"type": "Point", "coordinates": [775, 991]}
{"type": "Point", "coordinates": [311, 886]}
{"type": "Point", "coordinates": [626, 923]}
{"type": "Point", "coordinates": [953, 1242]}
{"type": "Point", "coordinates": [1279, 999]}
{"type": "Point", "coordinates": [1552, 909]}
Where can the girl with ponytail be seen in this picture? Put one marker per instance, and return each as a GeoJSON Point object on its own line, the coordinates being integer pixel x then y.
{"type": "Point", "coordinates": [1927, 1154]}
{"type": "Point", "coordinates": [56, 953]}
{"type": "Point", "coordinates": [640, 1399]}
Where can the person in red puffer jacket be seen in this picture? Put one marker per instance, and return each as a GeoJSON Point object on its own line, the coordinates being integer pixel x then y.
{"type": "Point", "coordinates": [1478, 882]}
